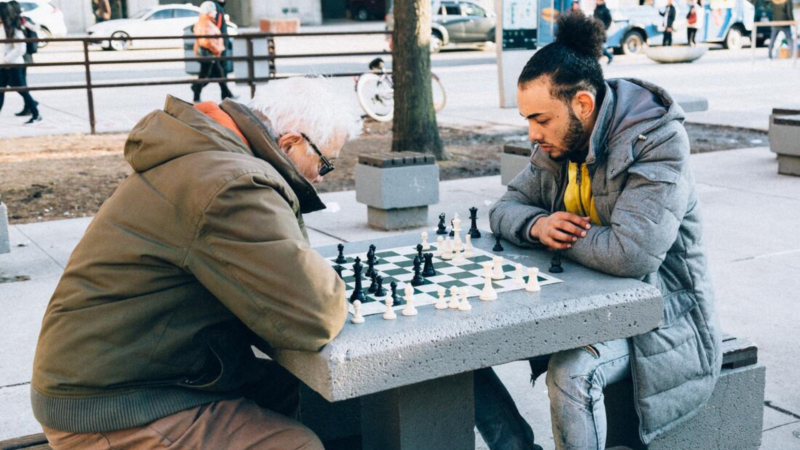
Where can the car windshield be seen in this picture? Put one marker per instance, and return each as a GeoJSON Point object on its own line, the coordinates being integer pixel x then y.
{"type": "Point", "coordinates": [141, 13]}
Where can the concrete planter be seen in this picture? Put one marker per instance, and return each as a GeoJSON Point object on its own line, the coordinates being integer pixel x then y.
{"type": "Point", "coordinates": [513, 160]}
{"type": "Point", "coordinates": [5, 244]}
{"type": "Point", "coordinates": [673, 55]}
{"type": "Point", "coordinates": [784, 140]}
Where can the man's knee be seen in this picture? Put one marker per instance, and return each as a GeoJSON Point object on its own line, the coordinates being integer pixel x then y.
{"type": "Point", "coordinates": [569, 372]}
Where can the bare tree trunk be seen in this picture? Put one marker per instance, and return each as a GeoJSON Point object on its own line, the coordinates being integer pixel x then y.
{"type": "Point", "coordinates": [415, 127]}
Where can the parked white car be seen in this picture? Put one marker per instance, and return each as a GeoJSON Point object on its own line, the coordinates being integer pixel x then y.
{"type": "Point", "coordinates": [48, 16]}
{"type": "Point", "coordinates": [164, 20]}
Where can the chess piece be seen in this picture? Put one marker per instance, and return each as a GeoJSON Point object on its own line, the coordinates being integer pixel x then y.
{"type": "Point", "coordinates": [555, 263]}
{"type": "Point", "coordinates": [419, 251]}
{"type": "Point", "coordinates": [428, 270]}
{"type": "Point", "coordinates": [441, 228]}
{"type": "Point", "coordinates": [358, 290]}
{"type": "Point", "coordinates": [457, 257]}
{"type": "Point", "coordinates": [473, 229]}
{"type": "Point", "coordinates": [340, 259]}
{"type": "Point", "coordinates": [418, 280]}
{"type": "Point", "coordinates": [452, 231]}
{"type": "Point", "coordinates": [389, 314]}
{"type": "Point", "coordinates": [498, 273]}
{"type": "Point", "coordinates": [370, 263]}
{"type": "Point", "coordinates": [409, 310]}
{"type": "Point", "coordinates": [442, 303]}
{"type": "Point", "coordinates": [453, 298]}
{"type": "Point", "coordinates": [425, 244]}
{"type": "Point", "coordinates": [468, 250]}
{"type": "Point", "coordinates": [533, 280]}
{"type": "Point", "coordinates": [447, 253]}
{"type": "Point", "coordinates": [357, 317]}
{"type": "Point", "coordinates": [395, 300]}
{"type": "Point", "coordinates": [374, 284]}
{"type": "Point", "coordinates": [380, 291]}
{"type": "Point", "coordinates": [488, 292]}
{"type": "Point", "coordinates": [464, 305]}
{"type": "Point", "coordinates": [498, 247]}
{"type": "Point", "coordinates": [518, 278]}
{"type": "Point", "coordinates": [439, 246]}
{"type": "Point", "coordinates": [456, 229]}
{"type": "Point", "coordinates": [339, 270]}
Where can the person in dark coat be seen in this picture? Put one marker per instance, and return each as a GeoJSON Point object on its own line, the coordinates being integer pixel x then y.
{"type": "Point", "coordinates": [781, 11]}
{"type": "Point", "coordinates": [603, 14]}
{"type": "Point", "coordinates": [669, 14]}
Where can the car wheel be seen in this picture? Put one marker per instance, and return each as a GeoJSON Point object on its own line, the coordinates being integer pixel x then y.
{"type": "Point", "coordinates": [633, 43]}
{"type": "Point", "coordinates": [120, 41]}
{"type": "Point", "coordinates": [362, 15]}
{"type": "Point", "coordinates": [733, 41]}
{"type": "Point", "coordinates": [436, 43]}
{"type": "Point", "coordinates": [44, 33]}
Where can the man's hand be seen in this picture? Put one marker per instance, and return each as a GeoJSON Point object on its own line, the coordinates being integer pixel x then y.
{"type": "Point", "coordinates": [559, 230]}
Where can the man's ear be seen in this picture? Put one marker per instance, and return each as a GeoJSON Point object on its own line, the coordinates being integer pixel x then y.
{"type": "Point", "coordinates": [584, 104]}
{"type": "Point", "coordinates": [289, 140]}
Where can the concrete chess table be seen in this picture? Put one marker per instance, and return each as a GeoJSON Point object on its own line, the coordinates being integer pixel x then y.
{"type": "Point", "coordinates": [414, 374]}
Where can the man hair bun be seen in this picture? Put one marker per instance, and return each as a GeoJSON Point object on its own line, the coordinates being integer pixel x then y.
{"type": "Point", "coordinates": [580, 33]}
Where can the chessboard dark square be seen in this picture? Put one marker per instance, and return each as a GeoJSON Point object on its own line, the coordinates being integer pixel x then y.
{"type": "Point", "coordinates": [449, 284]}
{"type": "Point", "coordinates": [405, 263]}
{"type": "Point", "coordinates": [461, 275]}
{"type": "Point", "coordinates": [480, 258]}
{"type": "Point", "coordinates": [471, 267]}
{"type": "Point", "coordinates": [394, 272]}
{"type": "Point", "coordinates": [507, 267]}
{"type": "Point", "coordinates": [387, 254]}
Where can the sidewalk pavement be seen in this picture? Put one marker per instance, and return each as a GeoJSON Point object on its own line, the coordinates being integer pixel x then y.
{"type": "Point", "coordinates": [751, 217]}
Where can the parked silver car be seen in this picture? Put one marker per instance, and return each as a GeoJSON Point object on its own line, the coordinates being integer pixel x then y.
{"type": "Point", "coordinates": [457, 22]}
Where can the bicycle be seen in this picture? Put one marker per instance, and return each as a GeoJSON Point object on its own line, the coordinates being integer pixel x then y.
{"type": "Point", "coordinates": [375, 92]}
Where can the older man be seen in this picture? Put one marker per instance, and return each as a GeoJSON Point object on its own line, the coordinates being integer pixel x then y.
{"type": "Point", "coordinates": [199, 255]}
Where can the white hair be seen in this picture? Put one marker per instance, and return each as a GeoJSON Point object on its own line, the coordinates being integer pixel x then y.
{"type": "Point", "coordinates": [313, 106]}
{"type": "Point", "coordinates": [208, 8]}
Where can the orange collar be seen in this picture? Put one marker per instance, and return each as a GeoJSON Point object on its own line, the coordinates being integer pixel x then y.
{"type": "Point", "coordinates": [213, 111]}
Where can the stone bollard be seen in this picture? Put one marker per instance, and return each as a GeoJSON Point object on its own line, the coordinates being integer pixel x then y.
{"type": "Point", "coordinates": [784, 140]}
{"type": "Point", "coordinates": [5, 243]}
{"type": "Point", "coordinates": [515, 159]}
{"type": "Point", "coordinates": [397, 188]}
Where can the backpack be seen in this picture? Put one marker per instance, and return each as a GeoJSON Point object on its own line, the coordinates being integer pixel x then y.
{"type": "Point", "coordinates": [30, 47]}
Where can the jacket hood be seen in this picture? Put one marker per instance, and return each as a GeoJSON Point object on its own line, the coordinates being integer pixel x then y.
{"type": "Point", "coordinates": [181, 130]}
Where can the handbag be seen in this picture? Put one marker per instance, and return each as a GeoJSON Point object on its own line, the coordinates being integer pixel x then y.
{"type": "Point", "coordinates": [691, 19]}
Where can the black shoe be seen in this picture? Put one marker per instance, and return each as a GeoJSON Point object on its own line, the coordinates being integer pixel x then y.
{"type": "Point", "coordinates": [23, 113]}
{"type": "Point", "coordinates": [34, 120]}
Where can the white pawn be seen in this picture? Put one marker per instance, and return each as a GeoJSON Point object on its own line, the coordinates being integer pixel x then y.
{"type": "Point", "coordinates": [357, 317]}
{"type": "Point", "coordinates": [409, 310]}
{"type": "Point", "coordinates": [533, 280]}
{"type": "Point", "coordinates": [439, 246]}
{"type": "Point", "coordinates": [468, 251]}
{"type": "Point", "coordinates": [453, 297]}
{"type": "Point", "coordinates": [488, 292]}
{"type": "Point", "coordinates": [389, 314]}
{"type": "Point", "coordinates": [518, 278]}
{"type": "Point", "coordinates": [498, 273]}
{"type": "Point", "coordinates": [442, 303]}
{"type": "Point", "coordinates": [447, 253]}
{"type": "Point", "coordinates": [425, 244]}
{"type": "Point", "coordinates": [464, 305]}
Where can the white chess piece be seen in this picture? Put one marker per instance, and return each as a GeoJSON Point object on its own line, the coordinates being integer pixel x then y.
{"type": "Point", "coordinates": [409, 309]}
{"type": "Point", "coordinates": [533, 280]}
{"type": "Point", "coordinates": [442, 303]}
{"type": "Point", "coordinates": [389, 314]}
{"type": "Point", "coordinates": [488, 292]}
{"type": "Point", "coordinates": [447, 253]}
{"type": "Point", "coordinates": [357, 317]}
{"type": "Point", "coordinates": [468, 251]}
{"type": "Point", "coordinates": [498, 273]}
{"type": "Point", "coordinates": [439, 246]}
{"type": "Point", "coordinates": [456, 222]}
{"type": "Point", "coordinates": [464, 305]}
{"type": "Point", "coordinates": [518, 278]}
{"type": "Point", "coordinates": [457, 258]}
{"type": "Point", "coordinates": [425, 244]}
{"type": "Point", "coordinates": [454, 297]}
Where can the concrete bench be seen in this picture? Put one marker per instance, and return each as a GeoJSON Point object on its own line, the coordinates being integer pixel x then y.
{"type": "Point", "coordinates": [5, 243]}
{"type": "Point", "coordinates": [513, 160]}
{"type": "Point", "coordinates": [784, 139]}
{"type": "Point", "coordinates": [397, 188]}
{"type": "Point", "coordinates": [672, 55]}
{"type": "Point", "coordinates": [732, 419]}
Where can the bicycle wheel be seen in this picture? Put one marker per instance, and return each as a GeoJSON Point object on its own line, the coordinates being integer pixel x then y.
{"type": "Point", "coordinates": [439, 96]}
{"type": "Point", "coordinates": [376, 95]}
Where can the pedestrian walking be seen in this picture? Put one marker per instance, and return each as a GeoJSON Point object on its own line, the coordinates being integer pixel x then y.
{"type": "Point", "coordinates": [31, 31]}
{"type": "Point", "coordinates": [694, 20]}
{"type": "Point", "coordinates": [781, 11]}
{"type": "Point", "coordinates": [102, 10]}
{"type": "Point", "coordinates": [206, 47]}
{"type": "Point", "coordinates": [669, 15]}
{"type": "Point", "coordinates": [13, 53]}
{"type": "Point", "coordinates": [575, 8]}
{"type": "Point", "coordinates": [603, 14]}
{"type": "Point", "coordinates": [221, 20]}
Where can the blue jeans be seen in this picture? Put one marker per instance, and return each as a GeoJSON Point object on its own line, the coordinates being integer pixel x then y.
{"type": "Point", "coordinates": [575, 382]}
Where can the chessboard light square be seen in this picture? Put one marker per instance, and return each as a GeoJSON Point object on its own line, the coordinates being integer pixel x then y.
{"type": "Point", "coordinates": [394, 259]}
{"type": "Point", "coordinates": [449, 270]}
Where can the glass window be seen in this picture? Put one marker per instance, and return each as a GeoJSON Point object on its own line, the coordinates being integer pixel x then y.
{"type": "Point", "coordinates": [185, 13]}
{"type": "Point", "coordinates": [162, 14]}
{"type": "Point", "coordinates": [451, 9]}
{"type": "Point", "coordinates": [473, 10]}
{"type": "Point", "coordinates": [26, 6]}
{"type": "Point", "coordinates": [141, 13]}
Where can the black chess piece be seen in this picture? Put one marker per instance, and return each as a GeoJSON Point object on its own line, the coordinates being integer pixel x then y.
{"type": "Point", "coordinates": [395, 300]}
{"type": "Point", "coordinates": [419, 252]}
{"type": "Point", "coordinates": [372, 250]}
{"type": "Point", "coordinates": [339, 270]}
{"type": "Point", "coordinates": [498, 247]}
{"type": "Point", "coordinates": [452, 229]}
{"type": "Point", "coordinates": [441, 228]}
{"type": "Point", "coordinates": [340, 259]}
{"type": "Point", "coordinates": [380, 291]}
{"type": "Point", "coordinates": [428, 270]}
{"type": "Point", "coordinates": [555, 263]}
{"type": "Point", "coordinates": [373, 286]}
{"type": "Point", "coordinates": [370, 264]}
{"type": "Point", "coordinates": [358, 291]}
{"type": "Point", "coordinates": [417, 280]}
{"type": "Point", "coordinates": [473, 228]}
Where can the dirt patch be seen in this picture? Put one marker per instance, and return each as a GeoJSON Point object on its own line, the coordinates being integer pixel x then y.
{"type": "Point", "coordinates": [58, 177]}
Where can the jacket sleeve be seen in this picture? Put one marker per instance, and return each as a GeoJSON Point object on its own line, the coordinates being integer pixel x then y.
{"type": "Point", "coordinates": [647, 215]}
{"type": "Point", "coordinates": [515, 213]}
{"type": "Point", "coordinates": [250, 252]}
{"type": "Point", "coordinates": [17, 50]}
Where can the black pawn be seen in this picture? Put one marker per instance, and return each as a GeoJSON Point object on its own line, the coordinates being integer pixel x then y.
{"type": "Point", "coordinates": [428, 270]}
{"type": "Point", "coordinates": [498, 247]}
{"type": "Point", "coordinates": [374, 285]}
{"type": "Point", "coordinates": [473, 229]}
{"type": "Point", "coordinates": [380, 291]}
{"type": "Point", "coordinates": [370, 264]}
{"type": "Point", "coordinates": [340, 259]}
{"type": "Point", "coordinates": [372, 250]}
{"type": "Point", "coordinates": [417, 280]}
{"type": "Point", "coordinates": [419, 252]}
{"type": "Point", "coordinates": [441, 228]}
{"type": "Point", "coordinates": [396, 301]}
{"type": "Point", "coordinates": [358, 290]}
{"type": "Point", "coordinates": [555, 263]}
{"type": "Point", "coordinates": [339, 270]}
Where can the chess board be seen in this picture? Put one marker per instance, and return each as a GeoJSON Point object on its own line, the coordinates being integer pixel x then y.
{"type": "Point", "coordinates": [396, 264]}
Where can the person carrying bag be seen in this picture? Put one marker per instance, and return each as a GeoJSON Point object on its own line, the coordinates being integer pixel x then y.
{"type": "Point", "coordinates": [209, 47]}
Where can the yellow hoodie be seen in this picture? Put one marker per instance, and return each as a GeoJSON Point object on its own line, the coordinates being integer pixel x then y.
{"type": "Point", "coordinates": [578, 197]}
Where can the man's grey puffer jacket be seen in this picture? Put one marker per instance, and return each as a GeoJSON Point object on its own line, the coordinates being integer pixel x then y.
{"type": "Point", "coordinates": [644, 194]}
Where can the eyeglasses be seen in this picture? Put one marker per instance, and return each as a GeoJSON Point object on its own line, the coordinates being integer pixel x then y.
{"type": "Point", "coordinates": [327, 167]}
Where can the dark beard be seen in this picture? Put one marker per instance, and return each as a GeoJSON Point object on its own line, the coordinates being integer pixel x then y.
{"type": "Point", "coordinates": [574, 140]}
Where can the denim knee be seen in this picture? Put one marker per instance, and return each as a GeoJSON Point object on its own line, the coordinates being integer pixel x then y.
{"type": "Point", "coordinates": [572, 373]}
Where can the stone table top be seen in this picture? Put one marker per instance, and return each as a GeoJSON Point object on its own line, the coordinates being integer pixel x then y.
{"type": "Point", "coordinates": [378, 355]}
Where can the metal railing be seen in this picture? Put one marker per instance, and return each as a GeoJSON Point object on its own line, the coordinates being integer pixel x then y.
{"type": "Point", "coordinates": [793, 26]}
{"type": "Point", "coordinates": [250, 58]}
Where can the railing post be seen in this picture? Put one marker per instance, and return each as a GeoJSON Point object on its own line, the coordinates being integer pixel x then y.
{"type": "Point", "coordinates": [271, 51]}
{"type": "Point", "coordinates": [251, 71]}
{"type": "Point", "coordinates": [87, 66]}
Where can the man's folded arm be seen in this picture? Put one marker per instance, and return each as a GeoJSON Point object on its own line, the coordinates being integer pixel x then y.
{"type": "Point", "coordinates": [518, 209]}
{"type": "Point", "coordinates": [251, 254]}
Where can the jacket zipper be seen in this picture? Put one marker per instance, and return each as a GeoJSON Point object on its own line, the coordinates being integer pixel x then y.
{"type": "Point", "coordinates": [580, 189]}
